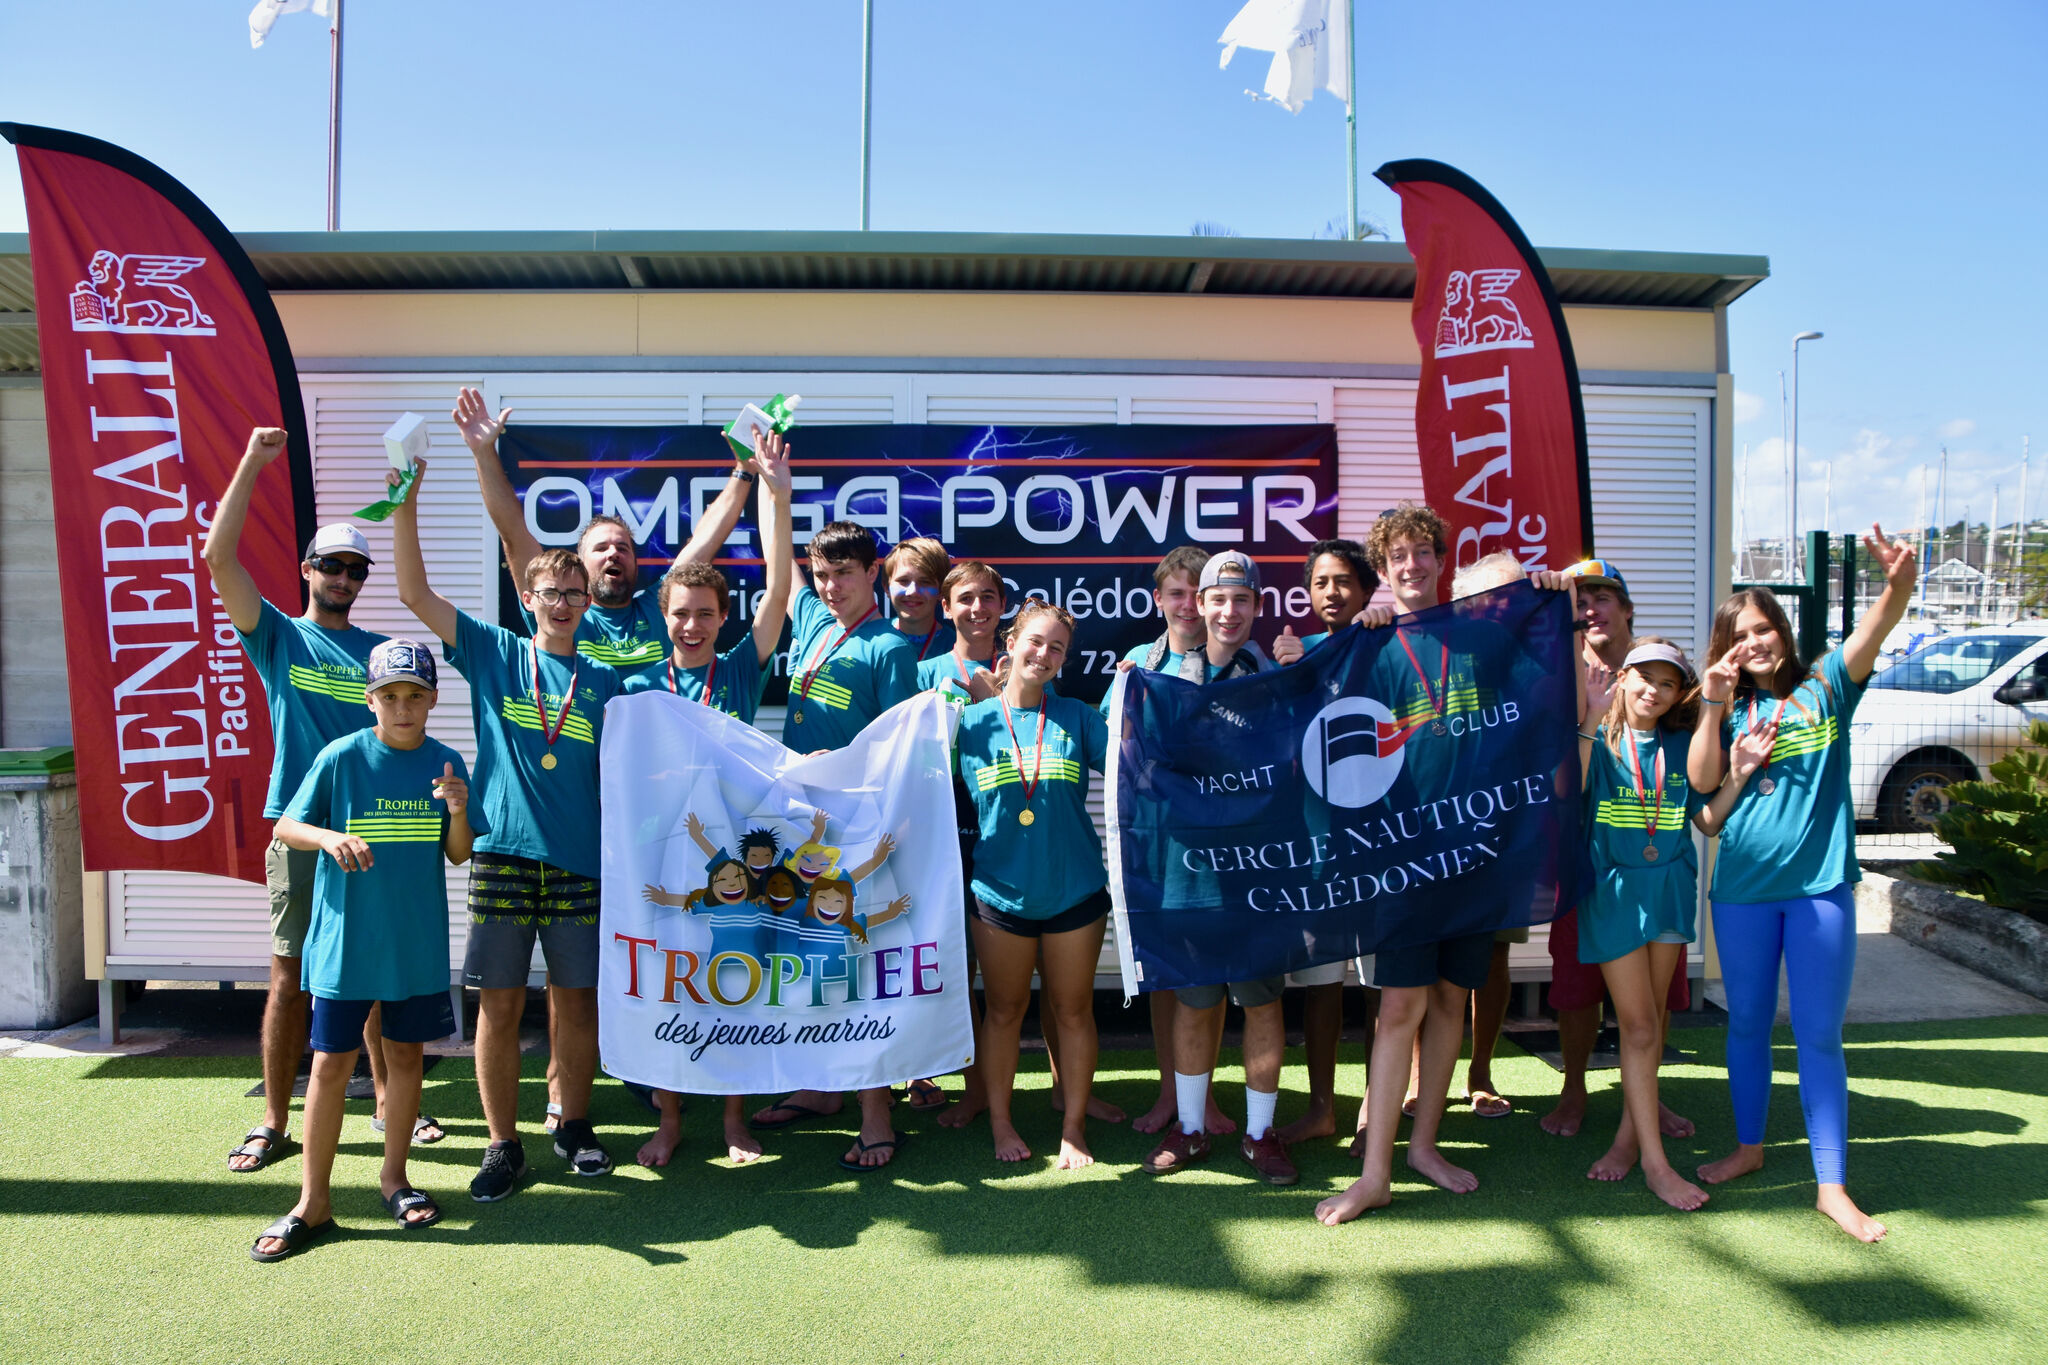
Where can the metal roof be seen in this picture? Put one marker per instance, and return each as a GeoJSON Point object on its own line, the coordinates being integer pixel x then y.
{"type": "Point", "coordinates": [906, 261]}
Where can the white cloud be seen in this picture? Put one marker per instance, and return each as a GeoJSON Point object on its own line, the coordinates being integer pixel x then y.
{"type": "Point", "coordinates": [1958, 429]}
{"type": "Point", "coordinates": [1748, 407]}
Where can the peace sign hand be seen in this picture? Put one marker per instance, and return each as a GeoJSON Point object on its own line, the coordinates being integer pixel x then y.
{"type": "Point", "coordinates": [1896, 558]}
{"type": "Point", "coordinates": [1718, 682]}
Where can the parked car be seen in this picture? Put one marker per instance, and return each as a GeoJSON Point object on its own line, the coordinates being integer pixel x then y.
{"type": "Point", "coordinates": [1944, 714]}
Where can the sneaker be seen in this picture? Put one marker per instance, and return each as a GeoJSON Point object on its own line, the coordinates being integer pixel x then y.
{"type": "Point", "coordinates": [1268, 1156]}
{"type": "Point", "coordinates": [1176, 1150]}
{"type": "Point", "coordinates": [504, 1167]}
{"type": "Point", "coordinates": [577, 1141]}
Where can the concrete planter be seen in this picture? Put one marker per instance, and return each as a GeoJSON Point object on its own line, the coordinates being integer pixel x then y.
{"type": "Point", "coordinates": [2004, 945]}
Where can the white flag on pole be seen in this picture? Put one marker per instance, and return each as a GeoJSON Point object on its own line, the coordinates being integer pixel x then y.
{"type": "Point", "coordinates": [266, 12]}
{"type": "Point", "coordinates": [1311, 45]}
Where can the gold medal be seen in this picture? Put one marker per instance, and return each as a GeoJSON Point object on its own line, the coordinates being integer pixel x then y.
{"type": "Point", "coordinates": [1025, 817]}
{"type": "Point", "coordinates": [548, 761]}
{"type": "Point", "coordinates": [798, 718]}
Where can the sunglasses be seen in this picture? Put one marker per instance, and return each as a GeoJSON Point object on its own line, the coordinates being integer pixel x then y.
{"type": "Point", "coordinates": [335, 568]}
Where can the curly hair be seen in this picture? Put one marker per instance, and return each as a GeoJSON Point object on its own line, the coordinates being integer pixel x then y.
{"type": "Point", "coordinates": [1405, 521]}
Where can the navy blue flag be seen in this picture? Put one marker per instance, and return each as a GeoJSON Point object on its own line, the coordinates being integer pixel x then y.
{"type": "Point", "coordinates": [1393, 788]}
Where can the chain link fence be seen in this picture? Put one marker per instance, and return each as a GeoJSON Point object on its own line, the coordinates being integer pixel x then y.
{"type": "Point", "coordinates": [1956, 686]}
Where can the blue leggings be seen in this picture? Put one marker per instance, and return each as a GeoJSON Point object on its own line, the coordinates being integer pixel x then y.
{"type": "Point", "coordinates": [1817, 937]}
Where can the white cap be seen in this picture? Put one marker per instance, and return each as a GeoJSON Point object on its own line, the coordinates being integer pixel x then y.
{"type": "Point", "coordinates": [338, 539]}
{"type": "Point", "coordinates": [1658, 652]}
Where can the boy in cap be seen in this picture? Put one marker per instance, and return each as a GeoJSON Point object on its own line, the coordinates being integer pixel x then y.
{"type": "Point", "coordinates": [312, 671]}
{"type": "Point", "coordinates": [383, 806]}
{"type": "Point", "coordinates": [538, 708]}
{"type": "Point", "coordinates": [1228, 592]}
{"type": "Point", "coordinates": [1577, 988]}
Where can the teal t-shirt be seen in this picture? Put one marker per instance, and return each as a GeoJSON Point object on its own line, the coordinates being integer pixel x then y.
{"type": "Point", "coordinates": [735, 677]}
{"type": "Point", "coordinates": [924, 649]}
{"type": "Point", "coordinates": [835, 691]}
{"type": "Point", "coordinates": [1309, 642]}
{"type": "Point", "coordinates": [1459, 670]}
{"type": "Point", "coordinates": [632, 639]}
{"type": "Point", "coordinates": [381, 933]}
{"type": "Point", "coordinates": [549, 814]}
{"type": "Point", "coordinates": [1634, 898]}
{"type": "Point", "coordinates": [946, 668]}
{"type": "Point", "coordinates": [1800, 838]}
{"type": "Point", "coordinates": [1053, 864]}
{"type": "Point", "coordinates": [313, 678]}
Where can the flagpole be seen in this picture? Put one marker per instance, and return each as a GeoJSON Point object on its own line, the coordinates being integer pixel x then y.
{"type": "Point", "coordinates": [1350, 119]}
{"type": "Point", "coordinates": [867, 97]}
{"type": "Point", "coordinates": [334, 120]}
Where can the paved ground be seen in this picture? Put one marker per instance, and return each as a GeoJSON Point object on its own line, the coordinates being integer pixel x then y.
{"type": "Point", "coordinates": [1900, 982]}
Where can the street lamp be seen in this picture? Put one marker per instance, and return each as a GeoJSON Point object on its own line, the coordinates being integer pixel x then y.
{"type": "Point", "coordinates": [1792, 511]}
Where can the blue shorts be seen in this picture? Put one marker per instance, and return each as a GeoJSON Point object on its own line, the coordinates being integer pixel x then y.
{"type": "Point", "coordinates": [338, 1024]}
{"type": "Point", "coordinates": [1461, 961]}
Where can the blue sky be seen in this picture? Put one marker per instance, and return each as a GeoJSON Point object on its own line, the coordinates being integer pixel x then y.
{"type": "Point", "coordinates": [1889, 159]}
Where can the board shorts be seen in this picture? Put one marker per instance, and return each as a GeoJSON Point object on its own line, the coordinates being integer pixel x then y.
{"type": "Point", "coordinates": [288, 874]}
{"type": "Point", "coordinates": [515, 902]}
{"type": "Point", "coordinates": [338, 1024]}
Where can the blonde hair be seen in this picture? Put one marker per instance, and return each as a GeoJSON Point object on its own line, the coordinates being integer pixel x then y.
{"type": "Point", "coordinates": [922, 553]}
{"type": "Point", "coordinates": [1496, 570]}
{"type": "Point", "coordinates": [1684, 712]}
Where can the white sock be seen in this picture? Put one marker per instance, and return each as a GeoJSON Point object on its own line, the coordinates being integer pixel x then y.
{"type": "Point", "coordinates": [1258, 1112]}
{"type": "Point", "coordinates": [1191, 1095]}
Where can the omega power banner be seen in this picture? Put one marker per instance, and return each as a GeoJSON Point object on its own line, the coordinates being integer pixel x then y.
{"type": "Point", "coordinates": [1498, 418]}
{"type": "Point", "coordinates": [1079, 515]}
{"type": "Point", "coordinates": [160, 350]}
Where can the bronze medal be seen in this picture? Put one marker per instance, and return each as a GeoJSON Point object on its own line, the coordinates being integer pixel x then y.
{"type": "Point", "coordinates": [1439, 728]}
{"type": "Point", "coordinates": [1649, 853]}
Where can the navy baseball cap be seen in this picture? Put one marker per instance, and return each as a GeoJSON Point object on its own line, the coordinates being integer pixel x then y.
{"type": "Point", "coordinates": [401, 661]}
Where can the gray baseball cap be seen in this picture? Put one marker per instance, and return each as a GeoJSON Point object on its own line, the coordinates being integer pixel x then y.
{"type": "Point", "coordinates": [1231, 569]}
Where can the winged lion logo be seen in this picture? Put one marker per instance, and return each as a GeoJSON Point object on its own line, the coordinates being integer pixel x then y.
{"type": "Point", "coordinates": [138, 293]}
{"type": "Point", "coordinates": [1479, 316]}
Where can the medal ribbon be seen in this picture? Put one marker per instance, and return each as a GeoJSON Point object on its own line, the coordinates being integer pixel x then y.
{"type": "Point", "coordinates": [824, 653]}
{"type": "Point", "coordinates": [929, 636]}
{"type": "Point", "coordinates": [547, 732]}
{"type": "Point", "coordinates": [1652, 816]}
{"type": "Point", "coordinates": [1037, 757]}
{"type": "Point", "coordinates": [710, 680]}
{"type": "Point", "coordinates": [1444, 682]}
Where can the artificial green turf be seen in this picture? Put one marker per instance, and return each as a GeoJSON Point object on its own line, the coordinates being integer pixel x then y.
{"type": "Point", "coordinates": [123, 1236]}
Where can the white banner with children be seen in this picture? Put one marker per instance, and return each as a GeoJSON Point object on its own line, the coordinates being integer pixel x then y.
{"type": "Point", "coordinates": [773, 921]}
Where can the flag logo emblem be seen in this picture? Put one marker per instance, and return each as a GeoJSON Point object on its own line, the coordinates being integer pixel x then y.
{"type": "Point", "coordinates": [1479, 316]}
{"type": "Point", "coordinates": [1352, 751]}
{"type": "Point", "coordinates": [138, 294]}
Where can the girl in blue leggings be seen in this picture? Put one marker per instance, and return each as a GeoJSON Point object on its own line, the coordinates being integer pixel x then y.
{"type": "Point", "coordinates": [1782, 881]}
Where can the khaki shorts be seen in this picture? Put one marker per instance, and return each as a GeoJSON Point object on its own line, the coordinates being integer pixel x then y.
{"type": "Point", "coordinates": [289, 873]}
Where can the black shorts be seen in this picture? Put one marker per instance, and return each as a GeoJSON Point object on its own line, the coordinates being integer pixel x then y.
{"type": "Point", "coordinates": [1463, 961]}
{"type": "Point", "coordinates": [1066, 921]}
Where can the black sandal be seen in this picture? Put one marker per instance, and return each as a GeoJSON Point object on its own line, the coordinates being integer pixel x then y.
{"type": "Point", "coordinates": [271, 1150]}
{"type": "Point", "coordinates": [295, 1232]}
{"type": "Point", "coordinates": [894, 1144]}
{"type": "Point", "coordinates": [404, 1200]}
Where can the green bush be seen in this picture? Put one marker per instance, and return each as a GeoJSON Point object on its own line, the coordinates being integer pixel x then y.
{"type": "Point", "coordinates": [1999, 831]}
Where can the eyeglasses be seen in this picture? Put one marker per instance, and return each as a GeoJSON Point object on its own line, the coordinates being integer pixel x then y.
{"type": "Point", "coordinates": [335, 568]}
{"type": "Point", "coordinates": [549, 597]}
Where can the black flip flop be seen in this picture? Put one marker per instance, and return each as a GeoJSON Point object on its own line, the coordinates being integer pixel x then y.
{"type": "Point", "coordinates": [404, 1200]}
{"type": "Point", "coordinates": [804, 1113]}
{"type": "Point", "coordinates": [422, 1121]}
{"type": "Point", "coordinates": [895, 1142]}
{"type": "Point", "coordinates": [272, 1149]}
{"type": "Point", "coordinates": [295, 1232]}
{"type": "Point", "coordinates": [925, 1096]}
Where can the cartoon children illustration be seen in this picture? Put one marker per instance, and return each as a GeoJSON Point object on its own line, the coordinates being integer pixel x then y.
{"type": "Point", "coordinates": [780, 893]}
{"type": "Point", "coordinates": [830, 927]}
{"type": "Point", "coordinates": [814, 859]}
{"type": "Point", "coordinates": [734, 919]}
